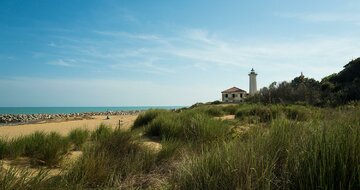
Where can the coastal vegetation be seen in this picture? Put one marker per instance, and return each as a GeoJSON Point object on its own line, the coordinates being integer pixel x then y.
{"type": "Point", "coordinates": [43, 149]}
{"type": "Point", "coordinates": [261, 147]}
{"type": "Point", "coordinates": [333, 90]}
{"type": "Point", "coordinates": [275, 141]}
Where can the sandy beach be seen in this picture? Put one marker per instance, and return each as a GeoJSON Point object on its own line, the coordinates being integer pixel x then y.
{"type": "Point", "coordinates": [64, 127]}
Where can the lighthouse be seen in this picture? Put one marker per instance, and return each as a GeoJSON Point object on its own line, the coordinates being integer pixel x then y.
{"type": "Point", "coordinates": [252, 82]}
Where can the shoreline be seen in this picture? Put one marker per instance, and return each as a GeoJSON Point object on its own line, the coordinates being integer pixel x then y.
{"type": "Point", "coordinates": [63, 127]}
{"type": "Point", "coordinates": [23, 119]}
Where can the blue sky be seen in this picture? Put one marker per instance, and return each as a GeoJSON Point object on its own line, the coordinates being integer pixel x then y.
{"type": "Point", "coordinates": [124, 53]}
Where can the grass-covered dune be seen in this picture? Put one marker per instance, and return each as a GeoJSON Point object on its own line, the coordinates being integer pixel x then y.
{"type": "Point", "coordinates": [260, 147]}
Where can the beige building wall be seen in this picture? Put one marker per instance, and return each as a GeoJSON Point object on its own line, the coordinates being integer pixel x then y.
{"type": "Point", "coordinates": [234, 97]}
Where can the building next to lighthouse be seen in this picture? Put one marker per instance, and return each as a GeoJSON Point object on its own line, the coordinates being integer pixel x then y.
{"type": "Point", "coordinates": [233, 95]}
{"type": "Point", "coordinates": [237, 95]}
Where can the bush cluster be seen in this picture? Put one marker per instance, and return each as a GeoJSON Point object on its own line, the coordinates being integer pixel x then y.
{"type": "Point", "coordinates": [78, 137]}
{"type": "Point", "coordinates": [110, 161]}
{"type": "Point", "coordinates": [288, 155]}
{"type": "Point", "coordinates": [42, 148]}
{"type": "Point", "coordinates": [261, 113]}
{"type": "Point", "coordinates": [301, 148]}
{"type": "Point", "coordinates": [188, 126]}
{"type": "Point", "coordinates": [146, 117]}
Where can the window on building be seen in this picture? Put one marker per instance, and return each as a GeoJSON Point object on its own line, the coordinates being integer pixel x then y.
{"type": "Point", "coordinates": [233, 95]}
{"type": "Point", "coordinates": [241, 95]}
{"type": "Point", "coordinates": [226, 95]}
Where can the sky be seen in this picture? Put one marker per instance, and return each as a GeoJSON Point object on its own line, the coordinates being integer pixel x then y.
{"type": "Point", "coordinates": [165, 52]}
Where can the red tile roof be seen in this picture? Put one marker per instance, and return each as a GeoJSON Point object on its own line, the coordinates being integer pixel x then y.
{"type": "Point", "coordinates": [233, 89]}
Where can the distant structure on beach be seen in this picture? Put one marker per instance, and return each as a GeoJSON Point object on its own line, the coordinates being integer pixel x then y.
{"type": "Point", "coordinates": [237, 95]}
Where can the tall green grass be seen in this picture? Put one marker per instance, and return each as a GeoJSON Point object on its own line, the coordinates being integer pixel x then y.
{"type": "Point", "coordinates": [265, 114]}
{"type": "Point", "coordinates": [46, 149]}
{"type": "Point", "coordinates": [3, 148]}
{"type": "Point", "coordinates": [110, 162]}
{"type": "Point", "coordinates": [23, 179]}
{"type": "Point", "coordinates": [42, 148]}
{"type": "Point", "coordinates": [188, 126]}
{"type": "Point", "coordinates": [231, 109]}
{"type": "Point", "coordinates": [146, 117]}
{"type": "Point", "coordinates": [285, 147]}
{"type": "Point", "coordinates": [78, 137]}
{"type": "Point", "coordinates": [102, 132]}
{"type": "Point", "coordinates": [287, 155]}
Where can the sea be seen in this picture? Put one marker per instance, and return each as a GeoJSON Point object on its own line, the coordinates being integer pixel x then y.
{"type": "Point", "coordinates": [61, 110]}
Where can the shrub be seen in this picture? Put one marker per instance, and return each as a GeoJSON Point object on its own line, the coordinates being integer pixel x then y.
{"type": "Point", "coordinates": [92, 170]}
{"type": "Point", "coordinates": [33, 143]}
{"type": "Point", "coordinates": [264, 113]}
{"type": "Point", "coordinates": [258, 113]}
{"type": "Point", "coordinates": [110, 162]}
{"type": "Point", "coordinates": [43, 148]}
{"type": "Point", "coordinates": [231, 110]}
{"type": "Point", "coordinates": [15, 147]}
{"type": "Point", "coordinates": [102, 132]}
{"type": "Point", "coordinates": [3, 148]}
{"type": "Point", "coordinates": [16, 178]}
{"type": "Point", "coordinates": [247, 114]}
{"type": "Point", "coordinates": [216, 102]}
{"type": "Point", "coordinates": [241, 114]}
{"type": "Point", "coordinates": [288, 155]}
{"type": "Point", "coordinates": [298, 113]}
{"type": "Point", "coordinates": [79, 137]}
{"type": "Point", "coordinates": [330, 155]}
{"type": "Point", "coordinates": [169, 149]}
{"type": "Point", "coordinates": [119, 143]}
{"type": "Point", "coordinates": [189, 125]}
{"type": "Point", "coordinates": [146, 117]}
{"type": "Point", "coordinates": [211, 110]}
{"type": "Point", "coordinates": [215, 111]}
{"type": "Point", "coordinates": [228, 166]}
{"type": "Point", "coordinates": [46, 149]}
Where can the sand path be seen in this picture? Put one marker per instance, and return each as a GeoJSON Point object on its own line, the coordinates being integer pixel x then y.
{"type": "Point", "coordinates": [64, 127]}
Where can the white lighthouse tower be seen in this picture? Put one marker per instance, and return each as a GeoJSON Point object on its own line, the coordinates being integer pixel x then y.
{"type": "Point", "coordinates": [252, 81]}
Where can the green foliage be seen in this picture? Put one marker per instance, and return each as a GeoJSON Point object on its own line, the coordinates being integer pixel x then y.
{"type": "Point", "coordinates": [92, 170]}
{"type": "Point", "coordinates": [294, 147]}
{"type": "Point", "coordinates": [44, 149]}
{"type": "Point", "coordinates": [265, 114]}
{"type": "Point", "coordinates": [102, 132]}
{"type": "Point", "coordinates": [335, 89]}
{"type": "Point", "coordinates": [215, 111]}
{"type": "Point", "coordinates": [3, 148]}
{"type": "Point", "coordinates": [109, 162]}
{"type": "Point", "coordinates": [299, 113]}
{"type": "Point", "coordinates": [188, 126]}
{"type": "Point", "coordinates": [15, 148]}
{"type": "Point", "coordinates": [146, 117]}
{"type": "Point", "coordinates": [258, 113]}
{"type": "Point", "coordinates": [216, 102]}
{"type": "Point", "coordinates": [288, 155]}
{"type": "Point", "coordinates": [169, 149]}
{"type": "Point", "coordinates": [345, 85]}
{"type": "Point", "coordinates": [78, 137]}
{"type": "Point", "coordinates": [230, 109]}
{"type": "Point", "coordinates": [23, 179]}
